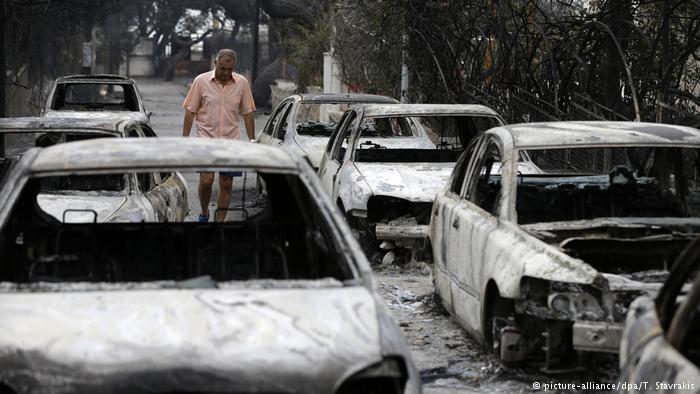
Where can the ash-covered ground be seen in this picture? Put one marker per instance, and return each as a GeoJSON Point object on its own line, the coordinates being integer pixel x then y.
{"type": "Point", "coordinates": [449, 360]}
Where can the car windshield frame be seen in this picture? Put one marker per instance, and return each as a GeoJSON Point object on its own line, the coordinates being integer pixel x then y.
{"type": "Point", "coordinates": [618, 177]}
{"type": "Point", "coordinates": [315, 218]}
{"type": "Point", "coordinates": [317, 127]}
{"type": "Point", "coordinates": [129, 102]}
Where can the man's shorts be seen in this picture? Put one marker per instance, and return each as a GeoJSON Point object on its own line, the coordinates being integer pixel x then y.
{"type": "Point", "coordinates": [232, 174]}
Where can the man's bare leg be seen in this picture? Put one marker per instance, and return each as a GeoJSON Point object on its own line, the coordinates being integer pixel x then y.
{"type": "Point", "coordinates": [224, 198]}
{"type": "Point", "coordinates": [206, 180]}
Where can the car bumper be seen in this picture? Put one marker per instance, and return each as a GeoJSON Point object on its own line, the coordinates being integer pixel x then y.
{"type": "Point", "coordinates": [390, 232]}
{"type": "Point", "coordinates": [597, 336]}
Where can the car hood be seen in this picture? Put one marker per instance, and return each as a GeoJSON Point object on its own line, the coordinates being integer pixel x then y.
{"type": "Point", "coordinates": [313, 147]}
{"type": "Point", "coordinates": [98, 115]}
{"type": "Point", "coordinates": [247, 340]}
{"type": "Point", "coordinates": [80, 208]}
{"type": "Point", "coordinates": [578, 238]}
{"type": "Point", "coordinates": [415, 182]}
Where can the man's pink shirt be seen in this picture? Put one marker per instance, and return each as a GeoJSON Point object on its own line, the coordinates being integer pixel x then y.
{"type": "Point", "coordinates": [218, 107]}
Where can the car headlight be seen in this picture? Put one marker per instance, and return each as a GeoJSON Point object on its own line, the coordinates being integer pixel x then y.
{"type": "Point", "coordinates": [559, 302]}
{"type": "Point", "coordinates": [580, 304]}
{"type": "Point", "coordinates": [574, 300]}
{"type": "Point", "coordinates": [388, 376]}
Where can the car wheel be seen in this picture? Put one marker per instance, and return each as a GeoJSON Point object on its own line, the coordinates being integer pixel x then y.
{"type": "Point", "coordinates": [502, 336]}
{"type": "Point", "coordinates": [424, 252]}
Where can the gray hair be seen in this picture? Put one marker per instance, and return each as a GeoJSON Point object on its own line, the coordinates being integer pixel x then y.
{"type": "Point", "coordinates": [225, 53]}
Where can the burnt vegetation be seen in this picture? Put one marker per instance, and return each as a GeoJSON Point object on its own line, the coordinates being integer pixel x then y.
{"type": "Point", "coordinates": [530, 60]}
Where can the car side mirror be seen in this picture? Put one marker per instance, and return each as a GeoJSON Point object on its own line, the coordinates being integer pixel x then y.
{"type": "Point", "coordinates": [149, 113]}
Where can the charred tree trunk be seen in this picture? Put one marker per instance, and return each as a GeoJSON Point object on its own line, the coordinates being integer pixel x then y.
{"type": "Point", "coordinates": [3, 75]}
{"type": "Point", "coordinates": [169, 73]}
{"type": "Point", "coordinates": [613, 71]}
{"type": "Point", "coordinates": [256, 40]}
{"type": "Point", "coordinates": [665, 73]}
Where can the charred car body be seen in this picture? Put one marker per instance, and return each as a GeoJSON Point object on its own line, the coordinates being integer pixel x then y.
{"type": "Point", "coordinates": [152, 196]}
{"type": "Point", "coordinates": [304, 122]}
{"type": "Point", "coordinates": [660, 348]}
{"type": "Point", "coordinates": [278, 299]}
{"type": "Point", "coordinates": [384, 164]}
{"type": "Point", "coordinates": [551, 259]}
{"type": "Point", "coordinates": [97, 96]}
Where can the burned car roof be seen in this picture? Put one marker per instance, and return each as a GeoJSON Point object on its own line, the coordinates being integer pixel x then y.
{"type": "Point", "coordinates": [129, 153]}
{"type": "Point", "coordinates": [570, 134]}
{"type": "Point", "coordinates": [94, 77]}
{"type": "Point", "coordinates": [345, 98]}
{"type": "Point", "coordinates": [427, 109]}
{"type": "Point", "coordinates": [112, 123]}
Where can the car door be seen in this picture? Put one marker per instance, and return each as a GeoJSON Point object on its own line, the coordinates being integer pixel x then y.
{"type": "Point", "coordinates": [284, 129]}
{"type": "Point", "coordinates": [266, 135]}
{"type": "Point", "coordinates": [156, 197]}
{"type": "Point", "coordinates": [333, 159]}
{"type": "Point", "coordinates": [13, 182]}
{"type": "Point", "coordinates": [441, 223]}
{"type": "Point", "coordinates": [174, 189]}
{"type": "Point", "coordinates": [331, 142]}
{"type": "Point", "coordinates": [471, 225]}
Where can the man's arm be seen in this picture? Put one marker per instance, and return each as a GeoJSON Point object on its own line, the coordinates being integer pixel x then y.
{"type": "Point", "coordinates": [187, 123]}
{"type": "Point", "coordinates": [249, 122]}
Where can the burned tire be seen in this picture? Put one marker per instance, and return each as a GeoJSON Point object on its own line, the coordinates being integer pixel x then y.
{"type": "Point", "coordinates": [364, 234]}
{"type": "Point", "coordinates": [424, 252]}
{"type": "Point", "coordinates": [499, 327]}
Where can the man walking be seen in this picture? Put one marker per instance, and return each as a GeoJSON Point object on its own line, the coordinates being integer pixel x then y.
{"type": "Point", "coordinates": [217, 99]}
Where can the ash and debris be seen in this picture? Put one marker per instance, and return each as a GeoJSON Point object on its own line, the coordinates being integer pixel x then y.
{"type": "Point", "coordinates": [449, 360]}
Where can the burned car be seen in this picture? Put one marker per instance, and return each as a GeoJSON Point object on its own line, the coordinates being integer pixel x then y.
{"type": "Point", "coordinates": [304, 122]}
{"type": "Point", "coordinates": [384, 164]}
{"type": "Point", "coordinates": [156, 195]}
{"type": "Point", "coordinates": [543, 265]}
{"type": "Point", "coordinates": [96, 96]}
{"type": "Point", "coordinates": [660, 348]}
{"type": "Point", "coordinates": [276, 299]}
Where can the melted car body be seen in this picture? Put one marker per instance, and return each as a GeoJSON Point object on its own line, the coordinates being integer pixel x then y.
{"type": "Point", "coordinates": [552, 259]}
{"type": "Point", "coordinates": [152, 196]}
{"type": "Point", "coordinates": [276, 298]}
{"type": "Point", "coordinates": [384, 164]}
{"type": "Point", "coordinates": [304, 122]}
{"type": "Point", "coordinates": [97, 97]}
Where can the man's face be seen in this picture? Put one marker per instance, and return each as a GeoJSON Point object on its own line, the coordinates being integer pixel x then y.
{"type": "Point", "coordinates": [224, 68]}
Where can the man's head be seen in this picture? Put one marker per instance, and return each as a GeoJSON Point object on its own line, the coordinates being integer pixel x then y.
{"type": "Point", "coordinates": [224, 64]}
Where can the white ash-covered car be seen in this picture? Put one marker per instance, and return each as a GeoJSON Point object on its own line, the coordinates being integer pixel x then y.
{"type": "Point", "coordinates": [384, 164]}
{"type": "Point", "coordinates": [304, 122]}
{"type": "Point", "coordinates": [660, 347]}
{"type": "Point", "coordinates": [96, 96]}
{"type": "Point", "coordinates": [543, 265]}
{"type": "Point", "coordinates": [278, 299]}
{"type": "Point", "coordinates": [152, 196]}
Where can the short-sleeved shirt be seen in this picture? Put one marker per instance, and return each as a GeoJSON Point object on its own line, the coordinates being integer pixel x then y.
{"type": "Point", "coordinates": [218, 108]}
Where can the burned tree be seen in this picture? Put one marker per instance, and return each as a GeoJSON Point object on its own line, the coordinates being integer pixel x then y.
{"type": "Point", "coordinates": [534, 60]}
